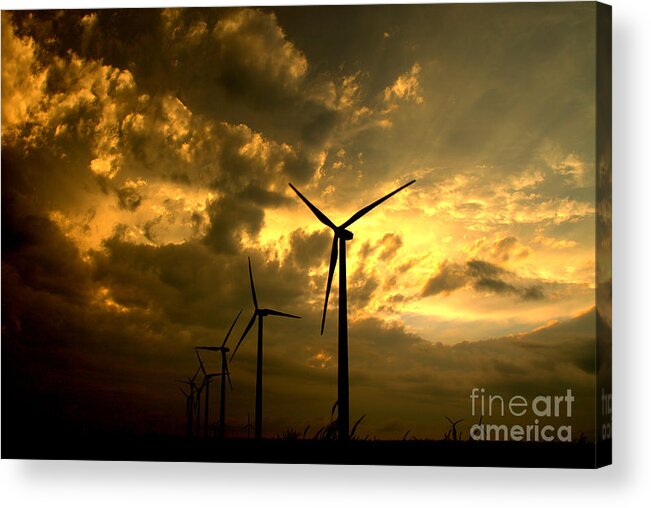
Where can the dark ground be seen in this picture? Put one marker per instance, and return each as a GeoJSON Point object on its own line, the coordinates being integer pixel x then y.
{"type": "Point", "coordinates": [430, 453]}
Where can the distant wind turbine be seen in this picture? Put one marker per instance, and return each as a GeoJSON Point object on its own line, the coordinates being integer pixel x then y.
{"type": "Point", "coordinates": [248, 427]}
{"type": "Point", "coordinates": [207, 379]}
{"type": "Point", "coordinates": [453, 428]}
{"type": "Point", "coordinates": [341, 236]}
{"type": "Point", "coordinates": [190, 400]}
{"type": "Point", "coordinates": [200, 388]}
{"type": "Point", "coordinates": [224, 373]}
{"type": "Point", "coordinates": [259, 314]}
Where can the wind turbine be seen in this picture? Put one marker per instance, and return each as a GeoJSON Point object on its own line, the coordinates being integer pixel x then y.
{"type": "Point", "coordinates": [454, 428]}
{"type": "Point", "coordinates": [341, 236]}
{"type": "Point", "coordinates": [258, 314]}
{"type": "Point", "coordinates": [224, 373]}
{"type": "Point", "coordinates": [198, 403]}
{"type": "Point", "coordinates": [190, 397]}
{"type": "Point", "coordinates": [248, 425]}
{"type": "Point", "coordinates": [207, 379]}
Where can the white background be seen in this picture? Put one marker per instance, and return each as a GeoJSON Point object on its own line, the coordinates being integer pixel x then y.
{"type": "Point", "coordinates": [626, 483]}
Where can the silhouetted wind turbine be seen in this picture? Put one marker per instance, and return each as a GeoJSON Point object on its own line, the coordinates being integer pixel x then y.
{"type": "Point", "coordinates": [224, 373]}
{"type": "Point", "coordinates": [207, 379]}
{"type": "Point", "coordinates": [248, 425]}
{"type": "Point", "coordinates": [189, 400]}
{"type": "Point", "coordinates": [198, 404]}
{"type": "Point", "coordinates": [454, 427]}
{"type": "Point", "coordinates": [341, 236]}
{"type": "Point", "coordinates": [259, 314]}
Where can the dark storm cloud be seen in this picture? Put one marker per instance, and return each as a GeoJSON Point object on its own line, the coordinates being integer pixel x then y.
{"type": "Point", "coordinates": [480, 269]}
{"type": "Point", "coordinates": [492, 285]}
{"type": "Point", "coordinates": [253, 52]}
{"type": "Point", "coordinates": [310, 249]}
{"type": "Point", "coordinates": [507, 248]}
{"type": "Point", "coordinates": [68, 343]}
{"type": "Point", "coordinates": [476, 89]}
{"type": "Point", "coordinates": [374, 258]}
{"type": "Point", "coordinates": [128, 197]}
{"type": "Point", "coordinates": [361, 288]}
{"type": "Point", "coordinates": [484, 277]}
{"type": "Point", "coordinates": [491, 278]}
{"type": "Point", "coordinates": [532, 293]}
{"type": "Point", "coordinates": [228, 64]}
{"type": "Point", "coordinates": [186, 283]}
{"type": "Point", "coordinates": [237, 214]}
{"type": "Point", "coordinates": [131, 142]}
{"type": "Point", "coordinates": [391, 243]}
{"type": "Point", "coordinates": [473, 97]}
{"type": "Point", "coordinates": [230, 218]}
{"type": "Point", "coordinates": [196, 285]}
{"type": "Point", "coordinates": [42, 258]}
{"type": "Point", "coordinates": [451, 276]}
{"type": "Point", "coordinates": [386, 248]}
{"type": "Point", "coordinates": [437, 378]}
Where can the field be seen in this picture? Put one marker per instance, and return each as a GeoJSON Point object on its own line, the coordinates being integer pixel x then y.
{"type": "Point", "coordinates": [297, 451]}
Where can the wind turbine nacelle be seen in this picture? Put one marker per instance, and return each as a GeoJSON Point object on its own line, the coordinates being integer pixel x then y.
{"type": "Point", "coordinates": [346, 235]}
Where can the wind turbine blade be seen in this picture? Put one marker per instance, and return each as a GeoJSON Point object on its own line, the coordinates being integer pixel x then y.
{"type": "Point", "coordinates": [319, 214]}
{"type": "Point", "coordinates": [231, 328]}
{"type": "Point", "coordinates": [208, 348]}
{"type": "Point", "coordinates": [183, 391]}
{"type": "Point", "coordinates": [228, 375]}
{"type": "Point", "coordinates": [255, 300]}
{"type": "Point", "coordinates": [334, 253]}
{"type": "Point", "coordinates": [246, 330]}
{"type": "Point", "coordinates": [272, 312]}
{"type": "Point", "coordinates": [370, 207]}
{"type": "Point", "coordinates": [200, 363]}
{"type": "Point", "coordinates": [195, 375]}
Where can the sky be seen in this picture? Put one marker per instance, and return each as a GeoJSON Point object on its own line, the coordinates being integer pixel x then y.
{"type": "Point", "coordinates": [147, 153]}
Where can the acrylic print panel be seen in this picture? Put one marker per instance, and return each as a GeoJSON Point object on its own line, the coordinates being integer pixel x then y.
{"type": "Point", "coordinates": [360, 234]}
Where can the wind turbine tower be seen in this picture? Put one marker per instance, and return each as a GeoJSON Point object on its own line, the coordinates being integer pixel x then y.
{"type": "Point", "coordinates": [258, 314]}
{"type": "Point", "coordinates": [341, 236]}
{"type": "Point", "coordinates": [224, 374]}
